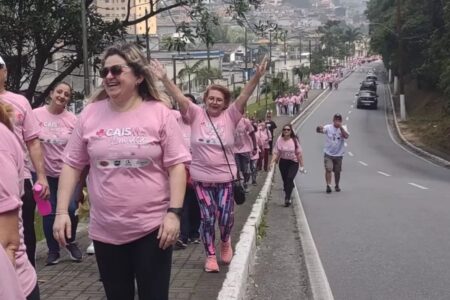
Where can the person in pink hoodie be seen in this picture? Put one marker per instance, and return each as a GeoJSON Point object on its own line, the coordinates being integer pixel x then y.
{"type": "Point", "coordinates": [137, 179]}
{"type": "Point", "coordinates": [213, 167]}
{"type": "Point", "coordinates": [11, 226]}
{"type": "Point", "coordinates": [264, 136]}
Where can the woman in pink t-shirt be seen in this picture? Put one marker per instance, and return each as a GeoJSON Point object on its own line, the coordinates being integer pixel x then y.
{"type": "Point", "coordinates": [265, 136]}
{"type": "Point", "coordinates": [11, 225]}
{"type": "Point", "coordinates": [56, 125]}
{"type": "Point", "coordinates": [288, 153]}
{"type": "Point", "coordinates": [211, 128]}
{"type": "Point", "coordinates": [137, 177]}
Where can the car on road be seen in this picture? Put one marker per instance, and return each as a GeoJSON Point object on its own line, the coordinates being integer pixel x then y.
{"type": "Point", "coordinates": [371, 77]}
{"type": "Point", "coordinates": [366, 99]}
{"type": "Point", "coordinates": [368, 86]}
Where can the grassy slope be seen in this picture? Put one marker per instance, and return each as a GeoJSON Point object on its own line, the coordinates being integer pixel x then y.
{"type": "Point", "coordinates": [428, 124]}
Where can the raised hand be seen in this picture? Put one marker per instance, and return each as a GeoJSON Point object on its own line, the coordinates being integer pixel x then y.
{"type": "Point", "coordinates": [262, 67]}
{"type": "Point", "coordinates": [158, 70]}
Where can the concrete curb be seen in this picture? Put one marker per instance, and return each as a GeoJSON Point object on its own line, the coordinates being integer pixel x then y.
{"type": "Point", "coordinates": [235, 284]}
{"type": "Point", "coordinates": [318, 282]}
{"type": "Point", "coordinates": [433, 158]}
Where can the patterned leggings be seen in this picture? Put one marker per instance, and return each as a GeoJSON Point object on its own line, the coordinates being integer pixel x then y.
{"type": "Point", "coordinates": [215, 201]}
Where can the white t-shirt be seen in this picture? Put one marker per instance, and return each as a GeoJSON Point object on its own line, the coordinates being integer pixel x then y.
{"type": "Point", "coordinates": [334, 141]}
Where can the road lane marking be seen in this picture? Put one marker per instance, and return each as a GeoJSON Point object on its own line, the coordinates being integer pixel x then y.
{"type": "Point", "coordinates": [363, 163]}
{"type": "Point", "coordinates": [345, 144]}
{"type": "Point", "coordinates": [351, 154]}
{"type": "Point", "coordinates": [418, 186]}
{"type": "Point", "coordinates": [384, 174]}
{"type": "Point", "coordinates": [352, 105]}
{"type": "Point", "coordinates": [349, 112]}
{"type": "Point", "coordinates": [346, 119]}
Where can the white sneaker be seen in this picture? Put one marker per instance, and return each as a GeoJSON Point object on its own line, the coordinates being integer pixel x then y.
{"type": "Point", "coordinates": [90, 250]}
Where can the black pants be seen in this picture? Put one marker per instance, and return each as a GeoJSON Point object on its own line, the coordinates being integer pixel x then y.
{"type": "Point", "coordinates": [28, 211]}
{"type": "Point", "coordinates": [190, 220]}
{"type": "Point", "coordinates": [34, 295]}
{"type": "Point", "coordinates": [143, 260]}
{"type": "Point", "coordinates": [288, 170]}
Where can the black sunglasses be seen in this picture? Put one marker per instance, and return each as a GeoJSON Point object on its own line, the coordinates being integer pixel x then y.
{"type": "Point", "coordinates": [286, 129]}
{"type": "Point", "coordinates": [115, 70]}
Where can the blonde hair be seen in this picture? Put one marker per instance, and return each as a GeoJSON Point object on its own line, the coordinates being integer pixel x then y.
{"type": "Point", "coordinates": [140, 66]}
{"type": "Point", "coordinates": [6, 113]}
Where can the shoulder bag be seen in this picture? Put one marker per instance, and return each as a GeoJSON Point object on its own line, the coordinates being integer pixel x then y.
{"type": "Point", "coordinates": [238, 189]}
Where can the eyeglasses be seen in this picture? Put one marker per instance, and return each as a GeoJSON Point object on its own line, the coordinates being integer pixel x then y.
{"type": "Point", "coordinates": [1, 66]}
{"type": "Point", "coordinates": [286, 129]}
{"type": "Point", "coordinates": [115, 70]}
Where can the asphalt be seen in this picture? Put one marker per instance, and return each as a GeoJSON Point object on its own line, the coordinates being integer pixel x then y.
{"type": "Point", "coordinates": [386, 235]}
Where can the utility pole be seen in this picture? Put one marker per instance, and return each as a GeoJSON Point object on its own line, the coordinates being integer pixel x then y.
{"type": "Point", "coordinates": [300, 48]}
{"type": "Point", "coordinates": [245, 56]}
{"type": "Point", "coordinates": [310, 55]}
{"type": "Point", "coordinates": [400, 61]}
{"type": "Point", "coordinates": [87, 84]}
{"type": "Point", "coordinates": [270, 51]}
{"type": "Point", "coordinates": [147, 39]}
{"type": "Point", "coordinates": [285, 46]}
{"type": "Point", "coordinates": [174, 69]}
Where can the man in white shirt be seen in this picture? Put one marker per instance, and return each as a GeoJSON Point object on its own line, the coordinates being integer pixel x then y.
{"type": "Point", "coordinates": [334, 150]}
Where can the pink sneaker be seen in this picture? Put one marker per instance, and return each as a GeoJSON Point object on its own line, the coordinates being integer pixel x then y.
{"type": "Point", "coordinates": [211, 265]}
{"type": "Point", "coordinates": [226, 252]}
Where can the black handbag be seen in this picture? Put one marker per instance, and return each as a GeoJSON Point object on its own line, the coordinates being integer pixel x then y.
{"type": "Point", "coordinates": [238, 189]}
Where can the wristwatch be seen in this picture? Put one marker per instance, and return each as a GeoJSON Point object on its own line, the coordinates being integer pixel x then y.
{"type": "Point", "coordinates": [177, 211]}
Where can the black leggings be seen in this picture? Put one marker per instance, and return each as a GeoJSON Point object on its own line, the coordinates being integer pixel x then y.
{"type": "Point", "coordinates": [34, 295]}
{"type": "Point", "coordinates": [143, 260]}
{"type": "Point", "coordinates": [288, 170]}
{"type": "Point", "coordinates": [28, 211]}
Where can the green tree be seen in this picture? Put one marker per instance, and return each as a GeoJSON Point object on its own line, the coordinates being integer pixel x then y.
{"type": "Point", "coordinates": [188, 70]}
{"type": "Point", "coordinates": [206, 76]}
{"type": "Point", "coordinates": [35, 34]}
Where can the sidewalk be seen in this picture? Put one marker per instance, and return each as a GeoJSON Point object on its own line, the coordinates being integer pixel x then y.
{"type": "Point", "coordinates": [80, 281]}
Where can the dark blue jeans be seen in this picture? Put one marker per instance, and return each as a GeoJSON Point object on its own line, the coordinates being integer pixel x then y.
{"type": "Point", "coordinates": [48, 221]}
{"type": "Point", "coordinates": [190, 220]}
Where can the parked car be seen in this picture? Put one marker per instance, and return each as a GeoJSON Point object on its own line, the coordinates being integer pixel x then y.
{"type": "Point", "coordinates": [368, 86]}
{"type": "Point", "coordinates": [367, 99]}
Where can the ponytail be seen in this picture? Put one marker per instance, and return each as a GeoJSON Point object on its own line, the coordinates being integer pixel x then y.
{"type": "Point", "coordinates": [6, 112]}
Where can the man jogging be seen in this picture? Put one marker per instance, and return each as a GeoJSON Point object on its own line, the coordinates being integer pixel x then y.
{"type": "Point", "coordinates": [334, 150]}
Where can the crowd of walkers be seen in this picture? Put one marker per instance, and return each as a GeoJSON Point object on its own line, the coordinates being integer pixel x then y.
{"type": "Point", "coordinates": [160, 171]}
{"type": "Point", "coordinates": [152, 174]}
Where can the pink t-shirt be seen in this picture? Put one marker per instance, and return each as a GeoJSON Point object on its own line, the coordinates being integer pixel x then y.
{"type": "Point", "coordinates": [185, 129]}
{"type": "Point", "coordinates": [26, 126]}
{"type": "Point", "coordinates": [287, 149]}
{"type": "Point", "coordinates": [129, 154]}
{"type": "Point", "coordinates": [55, 133]}
{"type": "Point", "coordinates": [10, 287]}
{"type": "Point", "coordinates": [242, 141]}
{"type": "Point", "coordinates": [208, 160]}
{"type": "Point", "coordinates": [11, 189]}
{"type": "Point", "coordinates": [265, 137]}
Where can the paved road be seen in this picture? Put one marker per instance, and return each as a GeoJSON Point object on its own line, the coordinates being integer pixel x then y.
{"type": "Point", "coordinates": [387, 235]}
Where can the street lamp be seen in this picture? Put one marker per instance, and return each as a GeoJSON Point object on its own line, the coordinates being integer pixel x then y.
{"type": "Point", "coordinates": [264, 28]}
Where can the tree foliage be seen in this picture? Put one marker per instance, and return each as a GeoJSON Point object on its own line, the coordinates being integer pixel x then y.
{"type": "Point", "coordinates": [35, 33]}
{"type": "Point", "coordinates": [338, 39]}
{"type": "Point", "coordinates": [425, 32]}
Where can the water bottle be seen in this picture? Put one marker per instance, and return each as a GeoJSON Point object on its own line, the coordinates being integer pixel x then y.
{"type": "Point", "coordinates": [44, 206]}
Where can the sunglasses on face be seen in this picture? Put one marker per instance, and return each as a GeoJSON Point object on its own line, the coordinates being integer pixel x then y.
{"type": "Point", "coordinates": [1, 66]}
{"type": "Point", "coordinates": [286, 129]}
{"type": "Point", "coordinates": [115, 70]}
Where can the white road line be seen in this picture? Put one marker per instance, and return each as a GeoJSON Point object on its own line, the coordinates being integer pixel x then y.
{"type": "Point", "coordinates": [345, 144]}
{"type": "Point", "coordinates": [418, 186]}
{"type": "Point", "coordinates": [363, 163]}
{"type": "Point", "coordinates": [351, 154]}
{"type": "Point", "coordinates": [352, 105]}
{"type": "Point", "coordinates": [346, 119]}
{"type": "Point", "coordinates": [384, 174]}
{"type": "Point", "coordinates": [349, 112]}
